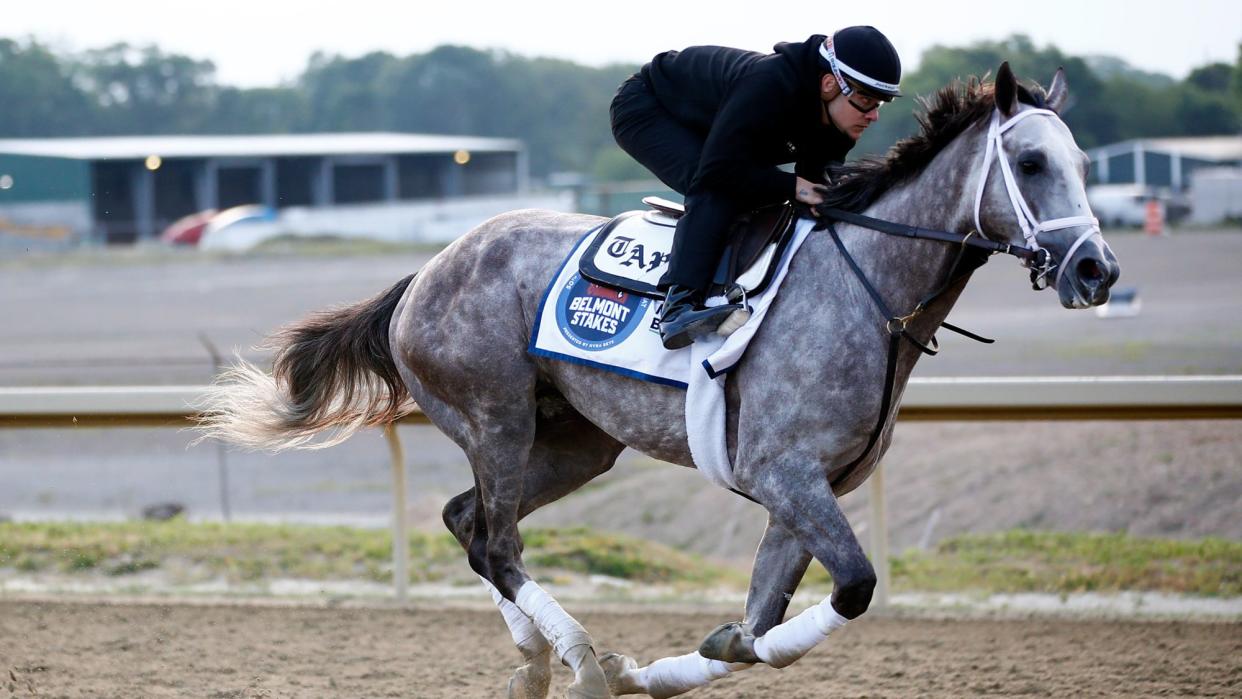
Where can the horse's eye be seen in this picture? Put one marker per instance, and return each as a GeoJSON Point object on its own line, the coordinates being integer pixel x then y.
{"type": "Point", "coordinates": [1030, 167]}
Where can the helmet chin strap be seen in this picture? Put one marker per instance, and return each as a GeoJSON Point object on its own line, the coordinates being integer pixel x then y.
{"type": "Point", "coordinates": [1031, 227]}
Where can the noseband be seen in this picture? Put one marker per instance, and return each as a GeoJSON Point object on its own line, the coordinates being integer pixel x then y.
{"type": "Point", "coordinates": [1041, 265]}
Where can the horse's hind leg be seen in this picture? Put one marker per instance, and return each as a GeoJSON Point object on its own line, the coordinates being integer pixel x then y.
{"type": "Point", "coordinates": [461, 350]}
{"type": "Point", "coordinates": [531, 679]}
{"type": "Point", "coordinates": [568, 451]}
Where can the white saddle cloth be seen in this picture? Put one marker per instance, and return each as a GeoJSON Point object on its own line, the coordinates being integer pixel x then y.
{"type": "Point", "coordinates": [586, 323]}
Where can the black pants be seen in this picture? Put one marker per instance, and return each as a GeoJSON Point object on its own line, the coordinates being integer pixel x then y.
{"type": "Point", "coordinates": [671, 150]}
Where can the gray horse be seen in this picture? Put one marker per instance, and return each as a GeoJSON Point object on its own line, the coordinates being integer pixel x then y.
{"type": "Point", "coordinates": [801, 405]}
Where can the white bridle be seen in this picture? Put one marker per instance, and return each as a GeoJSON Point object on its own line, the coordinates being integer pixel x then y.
{"type": "Point", "coordinates": [1031, 226]}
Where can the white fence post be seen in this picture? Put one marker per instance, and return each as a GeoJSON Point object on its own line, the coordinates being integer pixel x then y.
{"type": "Point", "coordinates": [879, 539]}
{"type": "Point", "coordinates": [400, 538]}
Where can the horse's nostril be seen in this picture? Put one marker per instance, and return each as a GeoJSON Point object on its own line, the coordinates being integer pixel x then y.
{"type": "Point", "coordinates": [1091, 270]}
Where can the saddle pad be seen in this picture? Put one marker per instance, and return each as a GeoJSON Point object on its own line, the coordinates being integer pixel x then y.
{"type": "Point", "coordinates": [582, 322]}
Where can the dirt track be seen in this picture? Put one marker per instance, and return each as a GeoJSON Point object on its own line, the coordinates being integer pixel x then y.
{"type": "Point", "coordinates": [91, 650]}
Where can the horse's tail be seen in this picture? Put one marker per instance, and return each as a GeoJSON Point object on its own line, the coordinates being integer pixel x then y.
{"type": "Point", "coordinates": [332, 371]}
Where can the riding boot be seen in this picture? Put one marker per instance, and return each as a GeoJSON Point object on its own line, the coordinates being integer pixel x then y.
{"type": "Point", "coordinates": [684, 317]}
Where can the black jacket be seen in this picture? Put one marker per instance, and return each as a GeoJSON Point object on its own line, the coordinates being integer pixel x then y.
{"type": "Point", "coordinates": [756, 111]}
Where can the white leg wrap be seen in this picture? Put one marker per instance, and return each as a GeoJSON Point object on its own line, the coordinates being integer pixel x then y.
{"type": "Point", "coordinates": [525, 634]}
{"type": "Point", "coordinates": [561, 630]}
{"type": "Point", "coordinates": [668, 677]}
{"type": "Point", "coordinates": [787, 642]}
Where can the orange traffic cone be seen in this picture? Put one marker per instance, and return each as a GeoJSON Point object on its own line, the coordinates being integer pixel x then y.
{"type": "Point", "coordinates": [1153, 223]}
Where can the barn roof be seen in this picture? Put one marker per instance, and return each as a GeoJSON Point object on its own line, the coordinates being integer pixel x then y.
{"type": "Point", "coordinates": [272, 145]}
{"type": "Point", "coordinates": [1218, 148]}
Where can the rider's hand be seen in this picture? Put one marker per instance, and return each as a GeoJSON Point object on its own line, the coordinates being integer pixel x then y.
{"type": "Point", "coordinates": [808, 192]}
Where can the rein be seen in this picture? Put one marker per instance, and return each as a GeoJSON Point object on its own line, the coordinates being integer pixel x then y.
{"type": "Point", "coordinates": [971, 239]}
{"type": "Point", "coordinates": [896, 325]}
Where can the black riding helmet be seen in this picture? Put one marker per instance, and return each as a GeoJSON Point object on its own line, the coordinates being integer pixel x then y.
{"type": "Point", "coordinates": [863, 59]}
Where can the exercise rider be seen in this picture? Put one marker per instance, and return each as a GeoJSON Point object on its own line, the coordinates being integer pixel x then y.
{"type": "Point", "coordinates": [713, 123]}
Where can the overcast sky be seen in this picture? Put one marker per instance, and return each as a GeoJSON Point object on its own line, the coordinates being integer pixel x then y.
{"type": "Point", "coordinates": [264, 42]}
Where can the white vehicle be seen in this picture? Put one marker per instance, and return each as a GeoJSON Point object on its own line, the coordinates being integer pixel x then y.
{"type": "Point", "coordinates": [1119, 204]}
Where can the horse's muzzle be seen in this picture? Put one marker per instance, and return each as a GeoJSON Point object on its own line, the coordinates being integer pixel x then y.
{"type": "Point", "coordinates": [1090, 276]}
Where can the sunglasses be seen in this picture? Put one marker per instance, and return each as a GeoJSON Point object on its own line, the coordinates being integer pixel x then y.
{"type": "Point", "coordinates": [863, 102]}
{"type": "Point", "coordinates": [874, 105]}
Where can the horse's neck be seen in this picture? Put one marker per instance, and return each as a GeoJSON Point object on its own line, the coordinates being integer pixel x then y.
{"type": "Point", "coordinates": [907, 270]}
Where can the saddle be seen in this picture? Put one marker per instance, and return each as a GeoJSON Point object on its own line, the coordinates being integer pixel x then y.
{"type": "Point", "coordinates": [630, 253]}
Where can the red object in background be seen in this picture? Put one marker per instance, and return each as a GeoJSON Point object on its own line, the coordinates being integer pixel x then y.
{"type": "Point", "coordinates": [1153, 222]}
{"type": "Point", "coordinates": [187, 230]}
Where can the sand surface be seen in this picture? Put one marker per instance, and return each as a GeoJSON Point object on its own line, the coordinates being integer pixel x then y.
{"type": "Point", "coordinates": [430, 651]}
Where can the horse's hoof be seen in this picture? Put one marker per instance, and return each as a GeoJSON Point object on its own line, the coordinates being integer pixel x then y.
{"type": "Point", "coordinates": [576, 692]}
{"type": "Point", "coordinates": [619, 669]}
{"type": "Point", "coordinates": [530, 682]}
{"type": "Point", "coordinates": [583, 690]}
{"type": "Point", "coordinates": [730, 643]}
{"type": "Point", "coordinates": [591, 682]}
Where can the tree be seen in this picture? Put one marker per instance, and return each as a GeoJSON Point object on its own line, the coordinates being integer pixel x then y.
{"type": "Point", "coordinates": [558, 108]}
{"type": "Point", "coordinates": [1202, 113]}
{"type": "Point", "coordinates": [37, 94]}
{"type": "Point", "coordinates": [940, 65]}
{"type": "Point", "coordinates": [1237, 82]}
{"type": "Point", "coordinates": [343, 94]}
{"type": "Point", "coordinates": [1213, 77]}
{"type": "Point", "coordinates": [144, 90]}
{"type": "Point", "coordinates": [453, 90]}
{"type": "Point", "coordinates": [258, 110]}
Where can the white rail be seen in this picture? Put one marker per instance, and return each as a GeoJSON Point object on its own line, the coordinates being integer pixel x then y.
{"type": "Point", "coordinates": [985, 398]}
{"type": "Point", "coordinates": [944, 399]}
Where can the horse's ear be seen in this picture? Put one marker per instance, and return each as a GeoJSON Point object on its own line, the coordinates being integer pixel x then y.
{"type": "Point", "coordinates": [1006, 90]}
{"type": "Point", "coordinates": [1058, 93]}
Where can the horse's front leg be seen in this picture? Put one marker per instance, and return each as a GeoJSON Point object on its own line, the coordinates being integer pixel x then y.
{"type": "Point", "coordinates": [779, 565]}
{"type": "Point", "coordinates": [801, 502]}
{"type": "Point", "coordinates": [800, 498]}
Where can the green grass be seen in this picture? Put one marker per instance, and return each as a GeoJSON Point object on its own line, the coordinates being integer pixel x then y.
{"type": "Point", "coordinates": [259, 551]}
{"type": "Point", "coordinates": [235, 551]}
{"type": "Point", "coordinates": [1025, 561]}
{"type": "Point", "coordinates": [581, 550]}
{"type": "Point", "coordinates": [1018, 561]}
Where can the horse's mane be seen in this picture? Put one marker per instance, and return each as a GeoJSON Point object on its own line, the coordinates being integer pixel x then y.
{"type": "Point", "coordinates": [943, 116]}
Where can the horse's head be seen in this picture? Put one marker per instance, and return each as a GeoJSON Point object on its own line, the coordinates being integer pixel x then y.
{"type": "Point", "coordinates": [1031, 191]}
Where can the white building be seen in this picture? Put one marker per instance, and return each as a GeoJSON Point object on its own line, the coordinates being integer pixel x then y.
{"type": "Point", "coordinates": [1216, 195]}
{"type": "Point", "coordinates": [67, 191]}
{"type": "Point", "coordinates": [1162, 163]}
